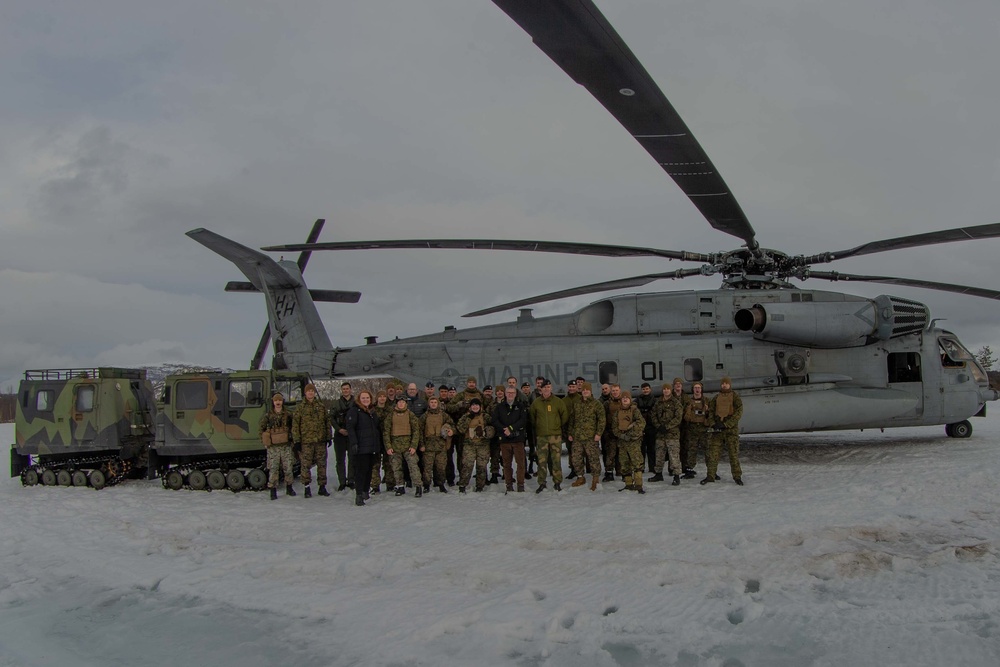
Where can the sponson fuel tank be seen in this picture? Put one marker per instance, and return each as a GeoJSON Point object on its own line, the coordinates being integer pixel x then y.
{"type": "Point", "coordinates": [827, 324]}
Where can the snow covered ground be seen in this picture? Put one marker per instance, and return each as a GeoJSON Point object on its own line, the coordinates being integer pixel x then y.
{"type": "Point", "coordinates": [843, 549]}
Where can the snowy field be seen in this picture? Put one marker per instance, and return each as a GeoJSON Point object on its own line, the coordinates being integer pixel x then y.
{"type": "Point", "coordinates": [843, 549]}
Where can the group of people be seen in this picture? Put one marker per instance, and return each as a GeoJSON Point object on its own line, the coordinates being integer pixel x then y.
{"type": "Point", "coordinates": [404, 437]}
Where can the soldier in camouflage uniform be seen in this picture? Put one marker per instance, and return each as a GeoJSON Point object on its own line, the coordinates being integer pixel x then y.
{"type": "Point", "coordinates": [678, 390]}
{"type": "Point", "coordinates": [401, 434]}
{"type": "Point", "coordinates": [548, 421]}
{"type": "Point", "coordinates": [279, 456]}
{"type": "Point", "coordinates": [477, 427]}
{"type": "Point", "coordinates": [585, 429]}
{"type": "Point", "coordinates": [725, 409]}
{"type": "Point", "coordinates": [571, 399]}
{"type": "Point", "coordinates": [436, 426]}
{"type": "Point", "coordinates": [311, 427]}
{"type": "Point", "coordinates": [667, 416]}
{"type": "Point", "coordinates": [458, 405]}
{"type": "Point", "coordinates": [381, 464]}
{"type": "Point", "coordinates": [695, 431]}
{"type": "Point", "coordinates": [610, 441]}
{"type": "Point", "coordinates": [627, 426]}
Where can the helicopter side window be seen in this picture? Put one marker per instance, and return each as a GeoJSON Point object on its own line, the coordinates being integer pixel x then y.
{"type": "Point", "coordinates": [693, 370]}
{"type": "Point", "coordinates": [904, 367]}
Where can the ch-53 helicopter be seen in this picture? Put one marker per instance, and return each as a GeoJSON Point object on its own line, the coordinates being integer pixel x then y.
{"type": "Point", "coordinates": [803, 360]}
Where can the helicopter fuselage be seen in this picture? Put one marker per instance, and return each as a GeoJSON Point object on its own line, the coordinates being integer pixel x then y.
{"type": "Point", "coordinates": [802, 360]}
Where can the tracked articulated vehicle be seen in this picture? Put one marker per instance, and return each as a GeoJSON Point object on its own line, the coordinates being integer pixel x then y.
{"type": "Point", "coordinates": [206, 428]}
{"type": "Point", "coordinates": [82, 427]}
{"type": "Point", "coordinates": [95, 427]}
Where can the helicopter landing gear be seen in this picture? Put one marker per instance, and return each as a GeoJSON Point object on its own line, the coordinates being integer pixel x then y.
{"type": "Point", "coordinates": [962, 429]}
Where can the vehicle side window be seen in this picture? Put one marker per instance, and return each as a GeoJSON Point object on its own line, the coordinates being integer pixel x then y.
{"type": "Point", "coordinates": [192, 395]}
{"type": "Point", "coordinates": [44, 400]}
{"type": "Point", "coordinates": [245, 393]}
{"type": "Point", "coordinates": [84, 399]}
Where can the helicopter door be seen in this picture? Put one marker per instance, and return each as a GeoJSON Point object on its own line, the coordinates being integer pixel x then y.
{"type": "Point", "coordinates": [905, 373]}
{"type": "Point", "coordinates": [84, 414]}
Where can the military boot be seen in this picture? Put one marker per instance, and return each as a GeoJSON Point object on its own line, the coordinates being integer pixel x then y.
{"type": "Point", "coordinates": [442, 488]}
{"type": "Point", "coordinates": [557, 487]}
{"type": "Point", "coordinates": [738, 480]}
{"type": "Point", "coordinates": [677, 481]}
{"type": "Point", "coordinates": [707, 480]}
{"type": "Point", "coordinates": [594, 481]}
{"type": "Point", "coordinates": [494, 479]}
{"type": "Point", "coordinates": [461, 489]}
{"type": "Point", "coordinates": [628, 484]}
{"type": "Point", "coordinates": [579, 481]}
{"type": "Point", "coordinates": [274, 493]}
{"type": "Point", "coordinates": [689, 473]}
{"type": "Point", "coordinates": [289, 491]}
{"type": "Point", "coordinates": [308, 493]}
{"type": "Point", "coordinates": [400, 490]}
{"type": "Point", "coordinates": [637, 483]}
{"type": "Point", "coordinates": [571, 475]}
{"type": "Point", "coordinates": [322, 490]}
{"type": "Point", "coordinates": [541, 487]}
{"type": "Point", "coordinates": [359, 500]}
{"type": "Point", "coordinates": [609, 476]}
{"type": "Point", "coordinates": [658, 477]}
{"type": "Point", "coordinates": [419, 492]}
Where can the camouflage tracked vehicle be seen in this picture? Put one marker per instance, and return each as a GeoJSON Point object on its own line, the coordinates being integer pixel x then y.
{"type": "Point", "coordinates": [206, 428]}
{"type": "Point", "coordinates": [82, 427]}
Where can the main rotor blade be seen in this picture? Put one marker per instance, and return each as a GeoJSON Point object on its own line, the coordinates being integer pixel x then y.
{"type": "Point", "coordinates": [313, 235]}
{"type": "Point", "coordinates": [597, 249]}
{"type": "Point", "coordinates": [577, 37]}
{"type": "Point", "coordinates": [624, 283]}
{"type": "Point", "coordinates": [908, 282]}
{"type": "Point", "coordinates": [914, 241]}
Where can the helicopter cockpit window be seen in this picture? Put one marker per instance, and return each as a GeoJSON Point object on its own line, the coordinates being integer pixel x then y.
{"type": "Point", "coordinates": [245, 393]}
{"type": "Point", "coordinates": [904, 367]}
{"type": "Point", "coordinates": [954, 355]}
{"type": "Point", "coordinates": [693, 370]}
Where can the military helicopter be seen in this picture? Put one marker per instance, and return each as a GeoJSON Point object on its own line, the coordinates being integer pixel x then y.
{"type": "Point", "coordinates": [803, 360]}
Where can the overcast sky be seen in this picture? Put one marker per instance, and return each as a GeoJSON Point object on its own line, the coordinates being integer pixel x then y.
{"type": "Point", "coordinates": [125, 124]}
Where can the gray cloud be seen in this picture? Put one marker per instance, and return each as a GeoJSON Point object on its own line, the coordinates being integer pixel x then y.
{"type": "Point", "coordinates": [124, 125]}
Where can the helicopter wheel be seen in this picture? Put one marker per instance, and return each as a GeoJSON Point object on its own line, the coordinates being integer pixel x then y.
{"type": "Point", "coordinates": [63, 478]}
{"type": "Point", "coordinates": [48, 478]}
{"type": "Point", "coordinates": [962, 429]}
{"type": "Point", "coordinates": [79, 478]}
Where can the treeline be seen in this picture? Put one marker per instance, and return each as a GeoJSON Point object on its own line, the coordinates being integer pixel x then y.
{"type": "Point", "coordinates": [8, 403]}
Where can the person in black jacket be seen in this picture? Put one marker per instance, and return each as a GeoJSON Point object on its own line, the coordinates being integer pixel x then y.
{"type": "Point", "coordinates": [364, 433]}
{"type": "Point", "coordinates": [510, 419]}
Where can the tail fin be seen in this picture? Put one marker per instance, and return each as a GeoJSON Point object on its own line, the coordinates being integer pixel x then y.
{"type": "Point", "coordinates": [299, 337]}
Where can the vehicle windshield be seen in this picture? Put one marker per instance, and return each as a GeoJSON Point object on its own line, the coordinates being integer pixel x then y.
{"type": "Point", "coordinates": [954, 355]}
